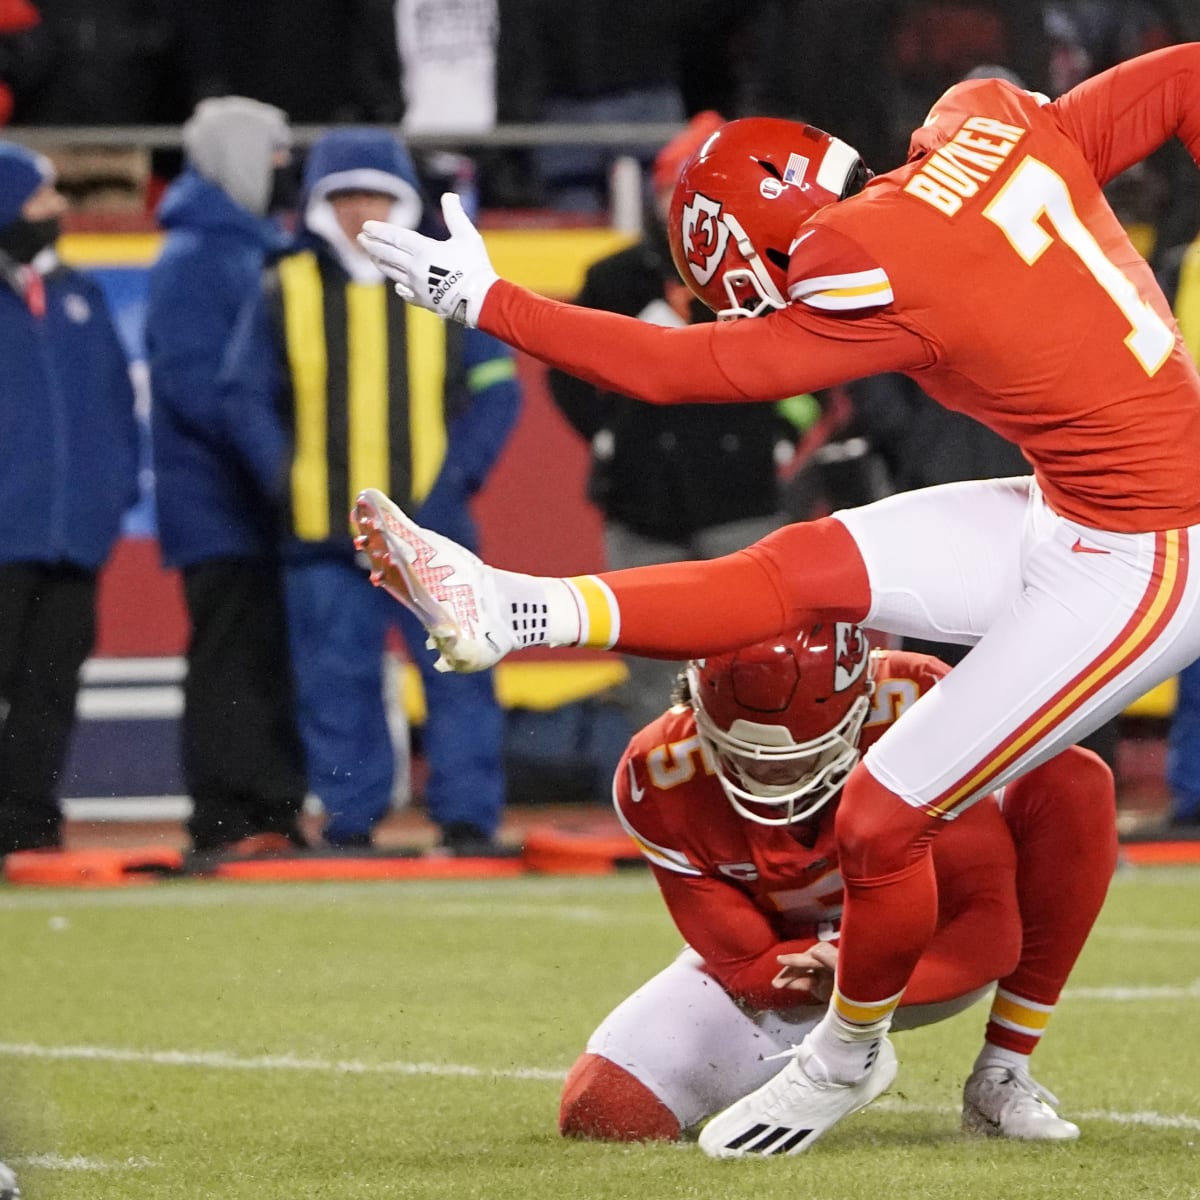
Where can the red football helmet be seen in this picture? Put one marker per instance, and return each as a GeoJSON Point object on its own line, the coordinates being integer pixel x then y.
{"type": "Point", "coordinates": [739, 202]}
{"type": "Point", "coordinates": [780, 720]}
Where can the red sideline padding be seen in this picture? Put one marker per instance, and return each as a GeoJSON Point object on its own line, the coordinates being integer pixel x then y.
{"type": "Point", "coordinates": [92, 868]}
{"type": "Point", "coordinates": [1161, 854]}
{"type": "Point", "coordinates": [271, 870]}
{"type": "Point", "coordinates": [564, 852]}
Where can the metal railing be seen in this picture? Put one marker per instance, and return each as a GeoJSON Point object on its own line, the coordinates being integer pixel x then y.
{"type": "Point", "coordinates": [169, 137]}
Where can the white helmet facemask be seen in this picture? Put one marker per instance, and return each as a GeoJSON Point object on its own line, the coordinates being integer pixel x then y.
{"type": "Point", "coordinates": [771, 779]}
{"type": "Point", "coordinates": [753, 279]}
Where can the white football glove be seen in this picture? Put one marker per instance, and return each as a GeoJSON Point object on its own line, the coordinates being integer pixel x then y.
{"type": "Point", "coordinates": [450, 278]}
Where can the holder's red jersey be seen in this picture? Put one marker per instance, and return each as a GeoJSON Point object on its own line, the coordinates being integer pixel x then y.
{"type": "Point", "coordinates": [991, 270]}
{"type": "Point", "coordinates": [741, 893]}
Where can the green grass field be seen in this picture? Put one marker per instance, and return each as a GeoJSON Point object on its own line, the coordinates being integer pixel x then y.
{"type": "Point", "coordinates": [257, 1042]}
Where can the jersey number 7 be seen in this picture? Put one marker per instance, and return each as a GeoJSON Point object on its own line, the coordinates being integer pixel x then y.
{"type": "Point", "coordinates": [1034, 190]}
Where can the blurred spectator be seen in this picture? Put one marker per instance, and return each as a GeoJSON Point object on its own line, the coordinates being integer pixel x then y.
{"type": "Point", "coordinates": [333, 385]}
{"type": "Point", "coordinates": [583, 63]}
{"type": "Point", "coordinates": [100, 64]}
{"type": "Point", "coordinates": [16, 17]}
{"type": "Point", "coordinates": [321, 61]}
{"type": "Point", "coordinates": [684, 482]}
{"type": "Point", "coordinates": [68, 446]}
{"type": "Point", "coordinates": [1156, 200]}
{"type": "Point", "coordinates": [448, 79]}
{"type": "Point", "coordinates": [1181, 281]}
{"type": "Point", "coordinates": [447, 64]}
{"type": "Point", "coordinates": [91, 64]}
{"type": "Point", "coordinates": [242, 760]}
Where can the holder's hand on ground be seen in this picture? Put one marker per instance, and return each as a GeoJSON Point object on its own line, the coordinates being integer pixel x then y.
{"type": "Point", "coordinates": [811, 972]}
{"type": "Point", "coordinates": [450, 277]}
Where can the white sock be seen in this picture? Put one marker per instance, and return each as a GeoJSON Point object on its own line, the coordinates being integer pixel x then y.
{"type": "Point", "coordinates": [543, 611]}
{"type": "Point", "coordinates": [998, 1056]}
{"type": "Point", "coordinates": [834, 1059]}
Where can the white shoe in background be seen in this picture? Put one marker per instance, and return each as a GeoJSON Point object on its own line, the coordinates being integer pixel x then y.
{"type": "Point", "coordinates": [1001, 1102]}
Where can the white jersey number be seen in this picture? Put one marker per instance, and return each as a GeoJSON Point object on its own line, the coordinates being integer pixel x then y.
{"type": "Point", "coordinates": [1034, 191]}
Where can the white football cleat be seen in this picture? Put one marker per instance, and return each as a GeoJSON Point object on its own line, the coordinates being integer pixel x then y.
{"type": "Point", "coordinates": [443, 584]}
{"type": "Point", "coordinates": [1001, 1102]}
{"type": "Point", "coordinates": [792, 1110]}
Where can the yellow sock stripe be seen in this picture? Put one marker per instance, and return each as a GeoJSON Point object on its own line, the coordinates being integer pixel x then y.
{"type": "Point", "coordinates": [426, 399]}
{"type": "Point", "coordinates": [304, 331]}
{"type": "Point", "coordinates": [601, 619]}
{"type": "Point", "coordinates": [855, 1012]}
{"type": "Point", "coordinates": [1026, 1016]}
{"type": "Point", "coordinates": [367, 388]}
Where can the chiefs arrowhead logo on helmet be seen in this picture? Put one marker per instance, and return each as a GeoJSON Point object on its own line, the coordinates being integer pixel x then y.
{"type": "Point", "coordinates": [780, 720]}
{"type": "Point", "coordinates": [851, 655]}
{"type": "Point", "coordinates": [740, 202]}
{"type": "Point", "coordinates": [704, 236]}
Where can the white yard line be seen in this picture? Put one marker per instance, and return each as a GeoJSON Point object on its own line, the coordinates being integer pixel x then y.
{"type": "Point", "coordinates": [77, 1162]}
{"type": "Point", "coordinates": [1134, 933]}
{"type": "Point", "coordinates": [494, 897]}
{"type": "Point", "coordinates": [223, 1061]}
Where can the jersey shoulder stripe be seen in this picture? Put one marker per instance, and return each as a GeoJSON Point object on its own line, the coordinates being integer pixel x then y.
{"type": "Point", "coordinates": [660, 856]}
{"type": "Point", "coordinates": [846, 291]}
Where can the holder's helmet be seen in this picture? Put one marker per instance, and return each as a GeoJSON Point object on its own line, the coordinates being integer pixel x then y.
{"type": "Point", "coordinates": [781, 719]}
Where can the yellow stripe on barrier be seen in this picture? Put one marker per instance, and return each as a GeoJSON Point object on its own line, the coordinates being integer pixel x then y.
{"type": "Point", "coordinates": [539, 686]}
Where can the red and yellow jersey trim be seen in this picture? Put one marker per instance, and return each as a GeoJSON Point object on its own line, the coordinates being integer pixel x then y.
{"type": "Point", "coordinates": [1157, 606]}
{"type": "Point", "coordinates": [843, 292]}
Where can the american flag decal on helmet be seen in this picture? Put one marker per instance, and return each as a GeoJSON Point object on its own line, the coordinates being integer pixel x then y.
{"type": "Point", "coordinates": [797, 165]}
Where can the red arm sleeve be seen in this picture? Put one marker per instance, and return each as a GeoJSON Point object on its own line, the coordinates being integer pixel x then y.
{"type": "Point", "coordinates": [733, 937]}
{"type": "Point", "coordinates": [978, 939]}
{"type": "Point", "coordinates": [1120, 116]}
{"type": "Point", "coordinates": [782, 354]}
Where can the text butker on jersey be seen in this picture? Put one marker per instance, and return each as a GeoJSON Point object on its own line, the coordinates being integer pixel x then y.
{"type": "Point", "coordinates": [770, 175]}
{"type": "Point", "coordinates": [781, 719]}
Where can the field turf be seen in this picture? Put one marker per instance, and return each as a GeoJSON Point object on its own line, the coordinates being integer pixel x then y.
{"type": "Point", "coordinates": [279, 1042]}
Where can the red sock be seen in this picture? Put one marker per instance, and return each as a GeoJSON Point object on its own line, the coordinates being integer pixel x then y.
{"type": "Point", "coordinates": [602, 1101]}
{"type": "Point", "coordinates": [687, 609]}
{"type": "Point", "coordinates": [1062, 816]}
{"type": "Point", "coordinates": [890, 910]}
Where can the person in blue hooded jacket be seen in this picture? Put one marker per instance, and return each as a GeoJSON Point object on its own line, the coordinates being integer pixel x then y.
{"type": "Point", "coordinates": [242, 758]}
{"type": "Point", "coordinates": [337, 386]}
{"type": "Point", "coordinates": [68, 472]}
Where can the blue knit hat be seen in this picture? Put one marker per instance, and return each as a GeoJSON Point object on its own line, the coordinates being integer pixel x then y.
{"type": "Point", "coordinates": [22, 172]}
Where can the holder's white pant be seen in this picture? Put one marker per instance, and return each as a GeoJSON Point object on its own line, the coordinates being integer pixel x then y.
{"type": "Point", "coordinates": [683, 1037]}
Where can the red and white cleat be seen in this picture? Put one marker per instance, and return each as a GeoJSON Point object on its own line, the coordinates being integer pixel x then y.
{"type": "Point", "coordinates": [448, 588]}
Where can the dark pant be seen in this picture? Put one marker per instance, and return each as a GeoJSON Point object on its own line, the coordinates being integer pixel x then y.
{"type": "Point", "coordinates": [338, 624]}
{"type": "Point", "coordinates": [47, 627]}
{"type": "Point", "coordinates": [242, 757]}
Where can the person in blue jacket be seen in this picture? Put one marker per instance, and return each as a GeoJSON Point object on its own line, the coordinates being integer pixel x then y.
{"type": "Point", "coordinates": [242, 758]}
{"type": "Point", "coordinates": [332, 385]}
{"type": "Point", "coordinates": [68, 471]}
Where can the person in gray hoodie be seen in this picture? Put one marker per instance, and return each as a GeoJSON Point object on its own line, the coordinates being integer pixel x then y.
{"type": "Point", "coordinates": [243, 763]}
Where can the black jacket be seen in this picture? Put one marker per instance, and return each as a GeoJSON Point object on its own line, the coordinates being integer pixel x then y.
{"type": "Point", "coordinates": [667, 471]}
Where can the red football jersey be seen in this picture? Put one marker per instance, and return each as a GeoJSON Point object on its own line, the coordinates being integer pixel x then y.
{"type": "Point", "coordinates": [741, 893]}
{"type": "Point", "coordinates": [991, 270]}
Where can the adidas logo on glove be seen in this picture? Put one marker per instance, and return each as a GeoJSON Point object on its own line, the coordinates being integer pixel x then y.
{"type": "Point", "coordinates": [440, 282]}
